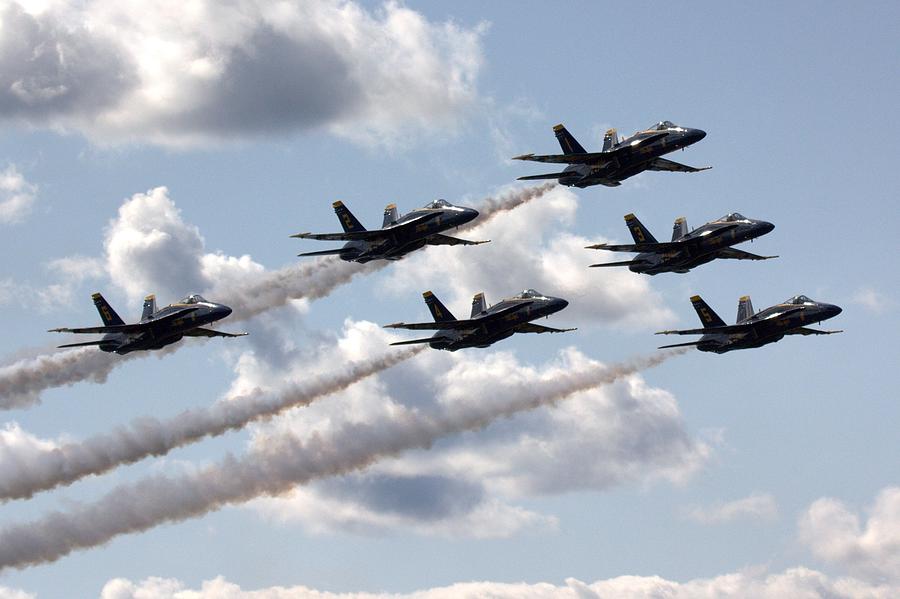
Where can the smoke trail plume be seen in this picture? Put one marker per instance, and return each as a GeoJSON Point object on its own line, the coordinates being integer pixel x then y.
{"type": "Point", "coordinates": [22, 382]}
{"type": "Point", "coordinates": [45, 469]}
{"type": "Point", "coordinates": [283, 463]}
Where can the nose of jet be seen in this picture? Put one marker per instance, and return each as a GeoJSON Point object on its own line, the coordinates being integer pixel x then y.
{"type": "Point", "coordinates": [468, 214]}
{"type": "Point", "coordinates": [764, 227]}
{"type": "Point", "coordinates": [695, 135]}
{"type": "Point", "coordinates": [222, 311]}
{"type": "Point", "coordinates": [557, 304]}
{"type": "Point", "coordinates": [831, 310]}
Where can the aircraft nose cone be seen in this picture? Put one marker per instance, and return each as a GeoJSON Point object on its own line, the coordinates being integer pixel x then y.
{"type": "Point", "coordinates": [697, 134]}
{"type": "Point", "coordinates": [559, 303]}
{"type": "Point", "coordinates": [833, 310]}
{"type": "Point", "coordinates": [765, 227]}
{"type": "Point", "coordinates": [224, 311]}
{"type": "Point", "coordinates": [469, 214]}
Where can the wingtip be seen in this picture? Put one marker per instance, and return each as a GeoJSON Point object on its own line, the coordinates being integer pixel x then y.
{"type": "Point", "coordinates": [300, 235]}
{"type": "Point", "coordinates": [522, 156]}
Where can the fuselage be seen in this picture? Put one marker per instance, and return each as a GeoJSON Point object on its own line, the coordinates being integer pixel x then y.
{"type": "Point", "coordinates": [157, 336]}
{"type": "Point", "coordinates": [492, 330]}
{"type": "Point", "coordinates": [769, 325]}
{"type": "Point", "coordinates": [398, 241]}
{"type": "Point", "coordinates": [610, 171]}
{"type": "Point", "coordinates": [700, 246]}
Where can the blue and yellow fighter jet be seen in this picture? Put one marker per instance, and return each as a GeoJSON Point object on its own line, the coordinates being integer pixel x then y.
{"type": "Point", "coordinates": [157, 328]}
{"type": "Point", "coordinates": [618, 160]}
{"type": "Point", "coordinates": [486, 325]}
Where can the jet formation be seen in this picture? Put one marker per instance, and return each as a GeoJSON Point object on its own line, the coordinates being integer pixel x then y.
{"type": "Point", "coordinates": [687, 248]}
{"type": "Point", "coordinates": [398, 235]}
{"type": "Point", "coordinates": [486, 325]}
{"type": "Point", "coordinates": [755, 329]}
{"type": "Point", "coordinates": [618, 160]}
{"type": "Point", "coordinates": [157, 328]}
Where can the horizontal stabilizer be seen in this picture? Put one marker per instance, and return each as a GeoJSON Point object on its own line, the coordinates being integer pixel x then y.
{"type": "Point", "coordinates": [365, 235]}
{"type": "Point", "coordinates": [415, 341]}
{"type": "Point", "coordinates": [692, 343]}
{"type": "Point", "coordinates": [547, 176]}
{"type": "Point", "coordinates": [729, 328]}
{"type": "Point", "coordinates": [637, 247]}
{"type": "Point", "coordinates": [469, 323]}
{"type": "Point", "coordinates": [129, 328]}
{"type": "Point", "coordinates": [734, 254]}
{"type": "Point", "coordinates": [808, 331]}
{"type": "Point", "coordinates": [201, 332]}
{"type": "Point", "coordinates": [325, 253]}
{"type": "Point", "coordinates": [588, 158]}
{"type": "Point", "coordinates": [530, 327]}
{"type": "Point", "coordinates": [661, 164]}
{"type": "Point", "coordinates": [447, 240]}
{"type": "Point", "coordinates": [85, 344]}
{"type": "Point", "coordinates": [623, 263]}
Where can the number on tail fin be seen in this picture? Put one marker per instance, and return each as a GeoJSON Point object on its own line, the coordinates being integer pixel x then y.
{"type": "Point", "coordinates": [107, 314]}
{"type": "Point", "coordinates": [707, 316]}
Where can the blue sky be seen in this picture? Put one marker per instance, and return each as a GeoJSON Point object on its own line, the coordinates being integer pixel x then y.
{"type": "Point", "coordinates": [255, 117]}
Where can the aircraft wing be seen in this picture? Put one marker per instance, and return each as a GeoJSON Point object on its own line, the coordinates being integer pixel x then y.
{"type": "Point", "coordinates": [740, 255]}
{"type": "Point", "coordinates": [447, 240]}
{"type": "Point", "coordinates": [530, 327]}
{"type": "Point", "coordinates": [201, 332]}
{"type": "Point", "coordinates": [367, 235]}
{"type": "Point", "coordinates": [661, 164]}
{"type": "Point", "coordinates": [586, 158]}
{"type": "Point", "coordinates": [731, 328]}
{"type": "Point", "coordinates": [127, 328]}
{"type": "Point", "coordinates": [415, 341]}
{"type": "Point", "coordinates": [468, 323]}
{"type": "Point", "coordinates": [689, 344]}
{"type": "Point", "coordinates": [664, 246]}
{"type": "Point", "coordinates": [623, 263]}
{"type": "Point", "coordinates": [84, 344]}
{"type": "Point", "coordinates": [808, 331]}
{"type": "Point", "coordinates": [547, 176]}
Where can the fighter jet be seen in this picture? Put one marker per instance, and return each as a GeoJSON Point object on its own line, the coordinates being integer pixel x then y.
{"type": "Point", "coordinates": [157, 328]}
{"type": "Point", "coordinates": [687, 248]}
{"type": "Point", "coordinates": [398, 236]}
{"type": "Point", "coordinates": [755, 329]}
{"type": "Point", "coordinates": [486, 325]}
{"type": "Point", "coordinates": [618, 160]}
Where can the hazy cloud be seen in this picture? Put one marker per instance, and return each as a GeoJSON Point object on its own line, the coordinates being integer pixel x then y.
{"type": "Point", "coordinates": [755, 507]}
{"type": "Point", "coordinates": [870, 551]}
{"type": "Point", "coordinates": [185, 74]}
{"type": "Point", "coordinates": [16, 194]}
{"type": "Point", "coordinates": [872, 300]}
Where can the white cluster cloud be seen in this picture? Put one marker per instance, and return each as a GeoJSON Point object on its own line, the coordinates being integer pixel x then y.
{"type": "Point", "coordinates": [17, 195]}
{"type": "Point", "coordinates": [872, 300]}
{"type": "Point", "coordinates": [530, 247]}
{"type": "Point", "coordinates": [178, 73]}
{"type": "Point", "coordinates": [8, 593]}
{"type": "Point", "coordinates": [758, 506]}
{"type": "Point", "coordinates": [756, 584]}
{"type": "Point", "coordinates": [834, 533]}
{"type": "Point", "coordinates": [632, 432]}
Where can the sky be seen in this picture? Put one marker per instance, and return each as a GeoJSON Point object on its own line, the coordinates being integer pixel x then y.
{"type": "Point", "coordinates": [175, 148]}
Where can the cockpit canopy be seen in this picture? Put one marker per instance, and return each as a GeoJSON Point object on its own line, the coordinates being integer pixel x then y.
{"type": "Point", "coordinates": [439, 204]}
{"type": "Point", "coordinates": [194, 298]}
{"type": "Point", "coordinates": [799, 300]}
{"type": "Point", "coordinates": [529, 293]}
{"type": "Point", "coordinates": [662, 126]}
{"type": "Point", "coordinates": [733, 217]}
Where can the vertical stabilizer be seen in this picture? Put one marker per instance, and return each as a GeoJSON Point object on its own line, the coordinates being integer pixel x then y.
{"type": "Point", "coordinates": [438, 310]}
{"type": "Point", "coordinates": [149, 307]}
{"type": "Point", "coordinates": [706, 314]}
{"type": "Point", "coordinates": [568, 143]}
{"type": "Point", "coordinates": [680, 228]}
{"type": "Point", "coordinates": [107, 314]}
{"type": "Point", "coordinates": [478, 304]}
{"type": "Point", "coordinates": [390, 215]}
{"type": "Point", "coordinates": [639, 232]}
{"type": "Point", "coordinates": [610, 140]}
{"type": "Point", "coordinates": [745, 308]}
{"type": "Point", "coordinates": [348, 221]}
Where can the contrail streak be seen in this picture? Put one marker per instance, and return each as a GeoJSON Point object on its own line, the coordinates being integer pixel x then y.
{"type": "Point", "coordinates": [284, 462]}
{"type": "Point", "coordinates": [45, 469]}
{"type": "Point", "coordinates": [22, 382]}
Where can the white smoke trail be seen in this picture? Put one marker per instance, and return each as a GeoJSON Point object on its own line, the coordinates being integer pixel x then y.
{"type": "Point", "coordinates": [39, 470]}
{"type": "Point", "coordinates": [22, 382]}
{"type": "Point", "coordinates": [283, 463]}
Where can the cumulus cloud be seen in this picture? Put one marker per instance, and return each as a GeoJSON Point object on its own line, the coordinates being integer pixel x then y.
{"type": "Point", "coordinates": [756, 583]}
{"type": "Point", "coordinates": [16, 193]}
{"type": "Point", "coordinates": [8, 593]}
{"type": "Point", "coordinates": [835, 534]}
{"type": "Point", "coordinates": [185, 74]}
{"type": "Point", "coordinates": [755, 507]}
{"type": "Point", "coordinates": [531, 248]}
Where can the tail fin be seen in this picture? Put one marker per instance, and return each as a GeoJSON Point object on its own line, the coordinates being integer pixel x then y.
{"type": "Point", "coordinates": [390, 215]}
{"type": "Point", "coordinates": [745, 308]}
{"type": "Point", "coordinates": [107, 314]}
{"type": "Point", "coordinates": [438, 310]}
{"type": "Point", "coordinates": [610, 139]}
{"type": "Point", "coordinates": [639, 232]}
{"type": "Point", "coordinates": [680, 228]}
{"type": "Point", "coordinates": [149, 307]}
{"type": "Point", "coordinates": [478, 304]}
{"type": "Point", "coordinates": [568, 143]}
{"type": "Point", "coordinates": [706, 314]}
{"type": "Point", "coordinates": [348, 221]}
